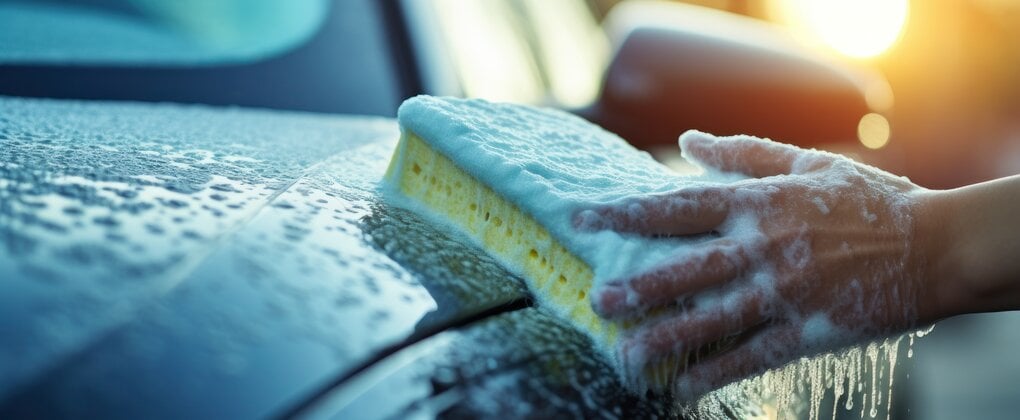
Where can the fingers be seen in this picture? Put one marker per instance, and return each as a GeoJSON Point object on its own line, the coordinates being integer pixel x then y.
{"type": "Point", "coordinates": [683, 212]}
{"type": "Point", "coordinates": [742, 154]}
{"type": "Point", "coordinates": [695, 332]}
{"type": "Point", "coordinates": [718, 262]}
{"type": "Point", "coordinates": [664, 350]}
{"type": "Point", "coordinates": [769, 348]}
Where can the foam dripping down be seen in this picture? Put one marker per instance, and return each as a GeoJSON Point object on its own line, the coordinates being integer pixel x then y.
{"type": "Point", "coordinates": [536, 168]}
{"type": "Point", "coordinates": [858, 381]}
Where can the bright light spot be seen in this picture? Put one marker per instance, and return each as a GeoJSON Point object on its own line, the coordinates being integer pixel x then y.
{"type": "Point", "coordinates": [493, 60]}
{"type": "Point", "coordinates": [573, 49]}
{"type": "Point", "coordinates": [873, 131]}
{"type": "Point", "coordinates": [858, 28]}
{"type": "Point", "coordinates": [879, 95]}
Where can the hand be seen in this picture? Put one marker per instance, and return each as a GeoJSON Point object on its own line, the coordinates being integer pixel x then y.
{"type": "Point", "coordinates": [813, 253]}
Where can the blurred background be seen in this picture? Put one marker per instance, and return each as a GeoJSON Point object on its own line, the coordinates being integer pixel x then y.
{"type": "Point", "coordinates": [946, 87]}
{"type": "Point", "coordinates": [937, 81]}
{"type": "Point", "coordinates": [951, 66]}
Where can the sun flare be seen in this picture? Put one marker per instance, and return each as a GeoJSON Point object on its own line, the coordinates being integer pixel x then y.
{"type": "Point", "coordinates": [857, 28]}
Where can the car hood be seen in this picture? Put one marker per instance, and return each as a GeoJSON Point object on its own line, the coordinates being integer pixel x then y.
{"type": "Point", "coordinates": [186, 261]}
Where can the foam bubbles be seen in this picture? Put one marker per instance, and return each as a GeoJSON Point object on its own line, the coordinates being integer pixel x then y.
{"type": "Point", "coordinates": [557, 168]}
{"type": "Point", "coordinates": [551, 165]}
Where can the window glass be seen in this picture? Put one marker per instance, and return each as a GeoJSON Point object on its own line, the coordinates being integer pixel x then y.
{"type": "Point", "coordinates": [525, 51]}
{"type": "Point", "coordinates": [181, 32]}
{"type": "Point", "coordinates": [489, 50]}
{"type": "Point", "coordinates": [572, 49]}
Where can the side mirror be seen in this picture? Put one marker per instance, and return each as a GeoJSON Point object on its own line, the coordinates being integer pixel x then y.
{"type": "Point", "coordinates": [679, 67]}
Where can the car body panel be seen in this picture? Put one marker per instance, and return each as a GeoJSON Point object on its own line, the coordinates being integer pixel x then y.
{"type": "Point", "coordinates": [183, 261]}
{"type": "Point", "coordinates": [220, 247]}
{"type": "Point", "coordinates": [521, 364]}
{"type": "Point", "coordinates": [188, 261]}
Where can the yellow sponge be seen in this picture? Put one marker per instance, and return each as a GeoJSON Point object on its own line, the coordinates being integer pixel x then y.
{"type": "Point", "coordinates": [501, 228]}
{"type": "Point", "coordinates": [474, 164]}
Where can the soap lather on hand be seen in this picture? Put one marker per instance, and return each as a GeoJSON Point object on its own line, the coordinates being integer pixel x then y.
{"type": "Point", "coordinates": [811, 254]}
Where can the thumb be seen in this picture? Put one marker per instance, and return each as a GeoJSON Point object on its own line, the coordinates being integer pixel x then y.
{"type": "Point", "coordinates": [748, 155]}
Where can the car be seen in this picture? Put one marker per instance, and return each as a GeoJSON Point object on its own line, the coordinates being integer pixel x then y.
{"type": "Point", "coordinates": [197, 259]}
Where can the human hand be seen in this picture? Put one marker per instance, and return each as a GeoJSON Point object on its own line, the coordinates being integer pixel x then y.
{"type": "Point", "coordinates": [813, 253]}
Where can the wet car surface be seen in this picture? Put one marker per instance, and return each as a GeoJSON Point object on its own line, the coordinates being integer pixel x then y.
{"type": "Point", "coordinates": [188, 261]}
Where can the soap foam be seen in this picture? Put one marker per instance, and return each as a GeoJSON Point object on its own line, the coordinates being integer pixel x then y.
{"type": "Point", "coordinates": [556, 167]}
{"type": "Point", "coordinates": [551, 165]}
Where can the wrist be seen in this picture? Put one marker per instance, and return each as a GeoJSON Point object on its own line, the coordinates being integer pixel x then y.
{"type": "Point", "coordinates": [972, 249]}
{"type": "Point", "coordinates": [940, 294]}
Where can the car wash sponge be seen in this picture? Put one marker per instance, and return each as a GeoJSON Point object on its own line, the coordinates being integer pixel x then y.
{"type": "Point", "coordinates": [512, 178]}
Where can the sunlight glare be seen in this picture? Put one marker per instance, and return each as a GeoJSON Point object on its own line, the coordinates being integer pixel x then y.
{"type": "Point", "coordinates": [857, 28]}
{"type": "Point", "coordinates": [873, 131]}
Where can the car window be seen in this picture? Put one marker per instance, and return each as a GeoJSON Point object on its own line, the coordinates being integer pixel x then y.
{"type": "Point", "coordinates": [525, 51]}
{"type": "Point", "coordinates": [492, 58]}
{"type": "Point", "coordinates": [572, 49]}
{"type": "Point", "coordinates": [144, 32]}
{"type": "Point", "coordinates": [347, 64]}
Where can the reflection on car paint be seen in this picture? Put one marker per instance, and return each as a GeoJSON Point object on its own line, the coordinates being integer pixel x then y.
{"type": "Point", "coordinates": [461, 277]}
{"type": "Point", "coordinates": [523, 363]}
{"type": "Point", "coordinates": [188, 261]}
{"type": "Point", "coordinates": [240, 269]}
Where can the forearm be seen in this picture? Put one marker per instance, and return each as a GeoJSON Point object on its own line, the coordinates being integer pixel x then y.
{"type": "Point", "coordinates": [971, 240]}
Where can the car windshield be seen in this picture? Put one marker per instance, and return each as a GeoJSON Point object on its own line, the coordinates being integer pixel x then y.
{"type": "Point", "coordinates": [146, 32]}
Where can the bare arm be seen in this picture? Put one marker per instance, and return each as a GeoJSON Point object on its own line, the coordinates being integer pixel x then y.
{"type": "Point", "coordinates": [839, 253]}
{"type": "Point", "coordinates": [974, 255]}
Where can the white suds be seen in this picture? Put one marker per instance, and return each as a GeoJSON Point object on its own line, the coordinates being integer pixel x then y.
{"type": "Point", "coordinates": [820, 203]}
{"type": "Point", "coordinates": [854, 378]}
{"type": "Point", "coordinates": [557, 168]}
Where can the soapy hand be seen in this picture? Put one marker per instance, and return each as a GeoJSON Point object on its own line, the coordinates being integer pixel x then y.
{"type": "Point", "coordinates": [810, 254]}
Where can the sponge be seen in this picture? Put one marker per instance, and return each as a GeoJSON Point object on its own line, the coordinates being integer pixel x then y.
{"type": "Point", "coordinates": [503, 230]}
{"type": "Point", "coordinates": [511, 178]}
